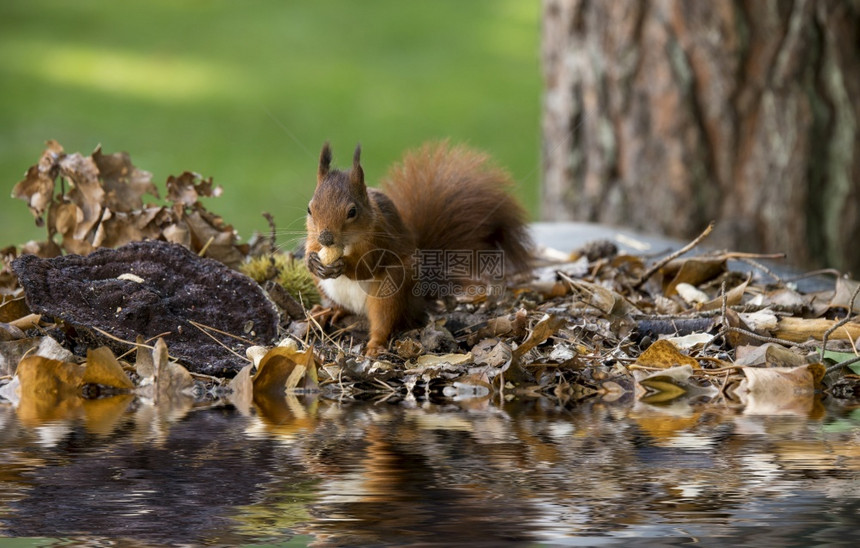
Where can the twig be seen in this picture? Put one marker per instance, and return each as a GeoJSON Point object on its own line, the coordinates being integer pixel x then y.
{"type": "Point", "coordinates": [763, 268]}
{"type": "Point", "coordinates": [117, 339]}
{"type": "Point", "coordinates": [840, 365]}
{"type": "Point", "coordinates": [343, 330]}
{"type": "Point", "coordinates": [723, 389]}
{"type": "Point", "coordinates": [663, 262]}
{"type": "Point", "coordinates": [725, 369]}
{"type": "Point", "coordinates": [224, 346]}
{"type": "Point", "coordinates": [313, 319]}
{"type": "Point", "coordinates": [740, 255]}
{"type": "Point", "coordinates": [840, 323]}
{"type": "Point", "coordinates": [217, 380]}
{"type": "Point", "coordinates": [385, 384]}
{"type": "Point", "coordinates": [226, 334]}
{"type": "Point", "coordinates": [811, 273]}
{"type": "Point", "coordinates": [756, 336]}
{"type": "Point", "coordinates": [130, 350]}
{"type": "Point", "coordinates": [154, 337]}
{"type": "Point", "coordinates": [205, 248]}
{"type": "Point", "coordinates": [271, 221]}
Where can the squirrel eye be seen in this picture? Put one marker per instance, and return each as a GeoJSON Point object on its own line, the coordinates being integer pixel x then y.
{"type": "Point", "coordinates": [309, 210]}
{"type": "Point", "coordinates": [352, 212]}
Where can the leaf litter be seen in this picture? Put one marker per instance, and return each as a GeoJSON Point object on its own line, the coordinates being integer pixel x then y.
{"type": "Point", "coordinates": [124, 303]}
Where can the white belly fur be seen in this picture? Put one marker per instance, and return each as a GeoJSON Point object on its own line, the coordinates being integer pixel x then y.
{"type": "Point", "coordinates": [349, 294]}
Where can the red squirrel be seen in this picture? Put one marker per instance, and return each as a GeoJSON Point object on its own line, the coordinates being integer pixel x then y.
{"type": "Point", "coordinates": [381, 253]}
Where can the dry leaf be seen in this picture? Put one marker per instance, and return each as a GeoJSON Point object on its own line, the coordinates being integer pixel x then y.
{"type": "Point", "coordinates": [37, 188]}
{"type": "Point", "coordinates": [103, 369]}
{"type": "Point", "coordinates": [274, 370]}
{"type": "Point", "coordinates": [13, 309]}
{"type": "Point", "coordinates": [659, 387]}
{"type": "Point", "coordinates": [242, 391]}
{"type": "Point", "coordinates": [693, 270]}
{"type": "Point", "coordinates": [733, 297]}
{"type": "Point", "coordinates": [102, 415]}
{"type": "Point", "coordinates": [124, 184]}
{"type": "Point", "coordinates": [282, 370]}
{"type": "Point", "coordinates": [692, 340]}
{"type": "Point", "coordinates": [39, 375]}
{"type": "Point", "coordinates": [801, 329]}
{"type": "Point", "coordinates": [144, 364]}
{"type": "Point", "coordinates": [408, 348]}
{"type": "Point", "coordinates": [780, 390]}
{"type": "Point", "coordinates": [11, 353]}
{"type": "Point", "coordinates": [663, 355]}
{"type": "Point", "coordinates": [845, 288]}
{"type": "Point", "coordinates": [103, 207]}
{"type": "Point", "coordinates": [663, 423]}
{"type": "Point", "coordinates": [783, 382]}
{"type": "Point", "coordinates": [768, 355]}
{"type": "Point", "coordinates": [603, 299]}
{"type": "Point", "coordinates": [431, 360]}
{"type": "Point", "coordinates": [543, 330]}
{"type": "Point", "coordinates": [468, 387]}
{"type": "Point", "coordinates": [691, 294]}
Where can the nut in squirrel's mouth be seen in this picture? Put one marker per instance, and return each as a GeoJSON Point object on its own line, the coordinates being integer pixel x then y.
{"type": "Point", "coordinates": [330, 253]}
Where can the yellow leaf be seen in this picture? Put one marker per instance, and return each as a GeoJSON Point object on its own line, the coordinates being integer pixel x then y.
{"type": "Point", "coordinates": [39, 375]}
{"type": "Point", "coordinates": [102, 415]}
{"type": "Point", "coordinates": [282, 370]}
{"type": "Point", "coordinates": [663, 354]}
{"type": "Point", "coordinates": [661, 390]}
{"type": "Point", "coordinates": [274, 370]}
{"type": "Point", "coordinates": [103, 369]}
{"type": "Point", "coordinates": [49, 390]}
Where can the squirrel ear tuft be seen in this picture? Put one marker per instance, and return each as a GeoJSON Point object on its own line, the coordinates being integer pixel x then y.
{"type": "Point", "coordinates": [325, 162]}
{"type": "Point", "coordinates": [357, 174]}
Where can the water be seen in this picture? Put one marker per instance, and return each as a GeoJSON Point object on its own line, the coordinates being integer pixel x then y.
{"type": "Point", "coordinates": [322, 473]}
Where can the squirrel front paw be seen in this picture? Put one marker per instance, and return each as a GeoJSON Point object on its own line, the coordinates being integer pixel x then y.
{"type": "Point", "coordinates": [320, 270]}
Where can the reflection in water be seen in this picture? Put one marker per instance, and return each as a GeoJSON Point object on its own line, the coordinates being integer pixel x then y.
{"type": "Point", "coordinates": [347, 474]}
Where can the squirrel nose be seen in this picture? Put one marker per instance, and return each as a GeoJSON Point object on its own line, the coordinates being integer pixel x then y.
{"type": "Point", "coordinates": [326, 238]}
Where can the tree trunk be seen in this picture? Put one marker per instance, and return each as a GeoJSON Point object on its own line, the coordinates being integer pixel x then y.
{"type": "Point", "coordinates": [663, 115]}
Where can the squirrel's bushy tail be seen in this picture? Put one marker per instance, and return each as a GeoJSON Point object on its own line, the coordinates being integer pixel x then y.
{"type": "Point", "coordinates": [455, 198]}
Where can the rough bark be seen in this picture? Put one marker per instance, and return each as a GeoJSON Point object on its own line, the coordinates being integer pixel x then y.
{"type": "Point", "coordinates": [662, 115]}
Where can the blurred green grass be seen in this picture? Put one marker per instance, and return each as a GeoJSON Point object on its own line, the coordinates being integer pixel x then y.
{"type": "Point", "coordinates": [246, 92]}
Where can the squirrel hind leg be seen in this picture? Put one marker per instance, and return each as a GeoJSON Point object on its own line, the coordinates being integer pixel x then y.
{"type": "Point", "coordinates": [382, 314]}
